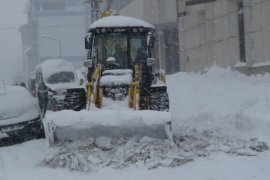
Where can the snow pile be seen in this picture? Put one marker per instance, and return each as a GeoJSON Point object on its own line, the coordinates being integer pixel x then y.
{"type": "Point", "coordinates": [221, 101]}
{"type": "Point", "coordinates": [92, 155]}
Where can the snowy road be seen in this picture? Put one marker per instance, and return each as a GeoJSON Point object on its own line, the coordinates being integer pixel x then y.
{"type": "Point", "coordinates": [218, 115]}
{"type": "Point", "coordinates": [20, 162]}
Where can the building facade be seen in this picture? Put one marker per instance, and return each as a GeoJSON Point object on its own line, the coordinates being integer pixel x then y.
{"type": "Point", "coordinates": [227, 33]}
{"type": "Point", "coordinates": [55, 29]}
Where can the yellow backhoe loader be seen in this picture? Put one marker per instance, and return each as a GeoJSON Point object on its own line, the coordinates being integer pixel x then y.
{"type": "Point", "coordinates": [122, 84]}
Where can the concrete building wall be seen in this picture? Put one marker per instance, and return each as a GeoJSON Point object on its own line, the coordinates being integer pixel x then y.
{"type": "Point", "coordinates": [208, 34]}
{"type": "Point", "coordinates": [153, 11]}
{"type": "Point", "coordinates": [257, 30]}
{"type": "Point", "coordinates": [134, 9]}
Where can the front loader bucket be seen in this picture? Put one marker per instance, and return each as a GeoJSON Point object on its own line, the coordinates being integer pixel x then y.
{"type": "Point", "coordinates": [68, 126]}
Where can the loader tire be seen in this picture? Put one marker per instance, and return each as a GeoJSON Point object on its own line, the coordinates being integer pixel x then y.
{"type": "Point", "coordinates": [159, 101]}
{"type": "Point", "coordinates": [75, 99]}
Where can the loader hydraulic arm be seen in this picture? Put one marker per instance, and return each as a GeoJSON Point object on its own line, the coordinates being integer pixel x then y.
{"type": "Point", "coordinates": [90, 85]}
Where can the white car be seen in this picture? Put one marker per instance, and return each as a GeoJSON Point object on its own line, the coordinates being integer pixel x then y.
{"type": "Point", "coordinates": [20, 118]}
{"type": "Point", "coordinates": [59, 75]}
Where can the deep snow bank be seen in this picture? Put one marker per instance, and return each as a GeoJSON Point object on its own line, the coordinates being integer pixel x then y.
{"type": "Point", "coordinates": [221, 100]}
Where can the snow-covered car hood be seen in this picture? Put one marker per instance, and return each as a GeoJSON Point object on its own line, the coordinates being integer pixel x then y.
{"type": "Point", "coordinates": [59, 74]}
{"type": "Point", "coordinates": [17, 105]}
{"type": "Point", "coordinates": [63, 86]}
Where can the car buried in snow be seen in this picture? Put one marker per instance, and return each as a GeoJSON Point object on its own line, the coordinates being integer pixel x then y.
{"type": "Point", "coordinates": [19, 116]}
{"type": "Point", "coordinates": [59, 75]}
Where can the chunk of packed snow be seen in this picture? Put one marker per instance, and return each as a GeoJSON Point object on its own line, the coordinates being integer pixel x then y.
{"type": "Point", "coordinates": [117, 72]}
{"type": "Point", "coordinates": [116, 80]}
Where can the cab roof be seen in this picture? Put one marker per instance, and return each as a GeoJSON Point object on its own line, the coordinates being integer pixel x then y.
{"type": "Point", "coordinates": [120, 21]}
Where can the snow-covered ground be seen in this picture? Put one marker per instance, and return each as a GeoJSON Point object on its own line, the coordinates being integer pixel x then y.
{"type": "Point", "coordinates": [221, 126]}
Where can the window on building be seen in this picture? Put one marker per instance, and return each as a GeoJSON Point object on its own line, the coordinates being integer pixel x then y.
{"type": "Point", "coordinates": [241, 25]}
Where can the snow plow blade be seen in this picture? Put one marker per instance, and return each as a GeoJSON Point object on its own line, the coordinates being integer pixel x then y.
{"type": "Point", "coordinates": [112, 124]}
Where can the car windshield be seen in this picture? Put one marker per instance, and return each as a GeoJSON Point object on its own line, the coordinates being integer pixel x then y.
{"type": "Point", "coordinates": [122, 47]}
{"type": "Point", "coordinates": [61, 77]}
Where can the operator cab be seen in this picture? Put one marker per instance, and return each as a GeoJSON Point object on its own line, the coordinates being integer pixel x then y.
{"type": "Point", "coordinates": [119, 42]}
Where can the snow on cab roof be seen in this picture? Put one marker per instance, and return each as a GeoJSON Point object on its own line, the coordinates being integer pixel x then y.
{"type": "Point", "coordinates": [120, 21]}
{"type": "Point", "coordinates": [52, 66]}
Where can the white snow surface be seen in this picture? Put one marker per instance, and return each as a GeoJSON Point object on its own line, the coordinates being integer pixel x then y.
{"type": "Point", "coordinates": [120, 21]}
{"type": "Point", "coordinates": [221, 119]}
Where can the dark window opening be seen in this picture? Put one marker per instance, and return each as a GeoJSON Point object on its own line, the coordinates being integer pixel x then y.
{"type": "Point", "coordinates": [241, 25]}
{"type": "Point", "coordinates": [195, 2]}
